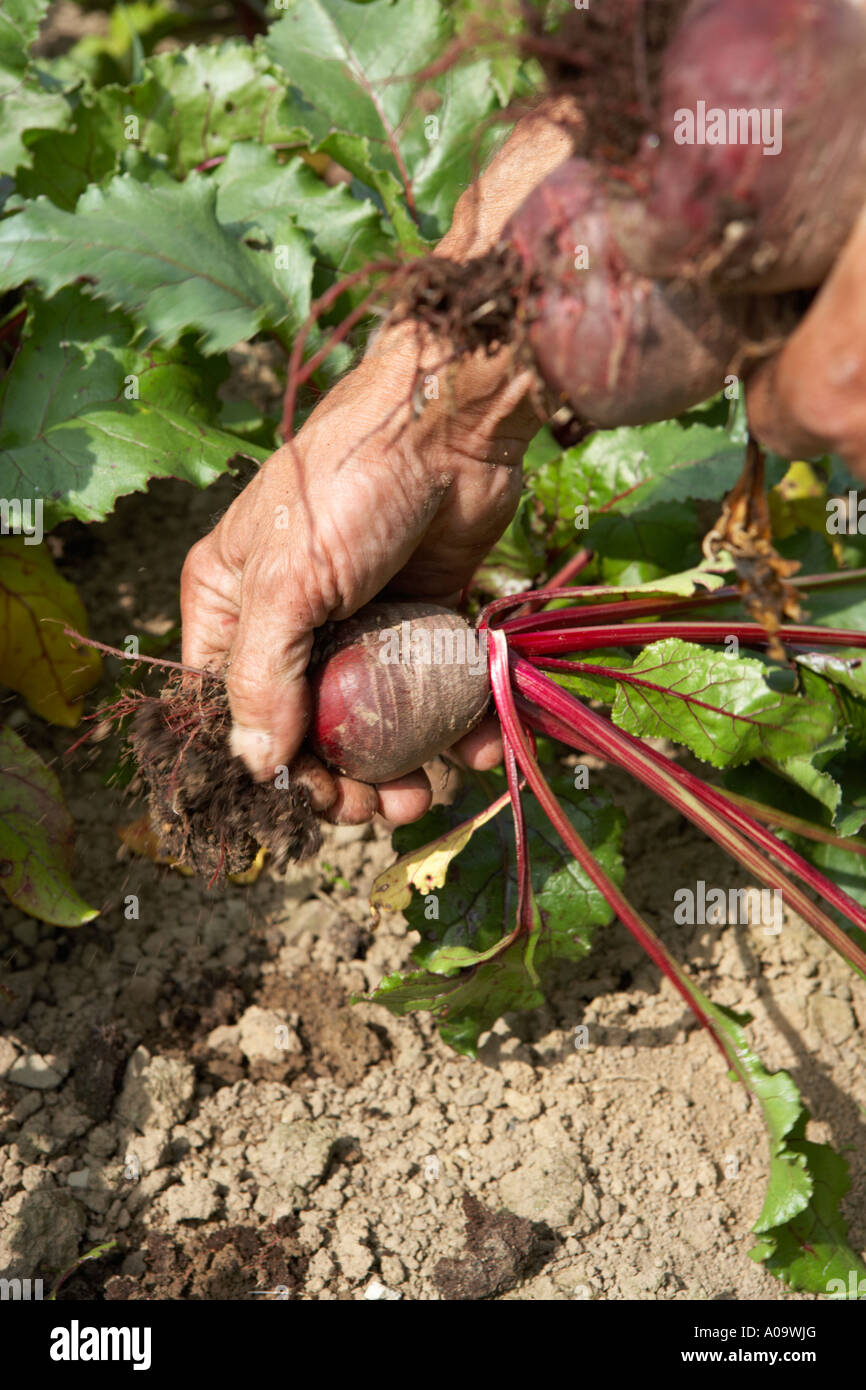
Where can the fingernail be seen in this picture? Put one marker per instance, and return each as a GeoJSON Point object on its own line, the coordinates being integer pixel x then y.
{"type": "Point", "coordinates": [255, 747]}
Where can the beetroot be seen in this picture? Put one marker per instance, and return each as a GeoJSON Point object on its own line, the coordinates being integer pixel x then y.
{"type": "Point", "coordinates": [393, 686]}
{"type": "Point", "coordinates": [637, 278]}
{"type": "Point", "coordinates": [619, 348]}
{"type": "Point", "coordinates": [728, 211]}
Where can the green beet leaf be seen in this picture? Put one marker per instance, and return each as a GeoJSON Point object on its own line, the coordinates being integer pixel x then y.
{"type": "Point", "coordinates": [36, 838]}
{"type": "Point", "coordinates": [720, 706]}
{"type": "Point", "coordinates": [803, 1235]}
{"type": "Point", "coordinates": [31, 100]}
{"type": "Point", "coordinates": [475, 912]}
{"type": "Point", "coordinates": [354, 96]}
{"type": "Point", "coordinates": [189, 106]}
{"type": "Point", "coordinates": [345, 232]}
{"type": "Point", "coordinates": [161, 253]}
{"type": "Point", "coordinates": [85, 418]}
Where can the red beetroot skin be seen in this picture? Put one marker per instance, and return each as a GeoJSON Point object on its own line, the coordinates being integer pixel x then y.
{"type": "Point", "coordinates": [756, 221]}
{"type": "Point", "coordinates": [618, 347]}
{"type": "Point", "coordinates": [375, 720]}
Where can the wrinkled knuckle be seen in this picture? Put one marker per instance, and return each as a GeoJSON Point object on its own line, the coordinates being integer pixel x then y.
{"type": "Point", "coordinates": [268, 573]}
{"type": "Point", "coordinates": [245, 682]}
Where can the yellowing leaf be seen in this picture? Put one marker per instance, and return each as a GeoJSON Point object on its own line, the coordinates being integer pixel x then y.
{"type": "Point", "coordinates": [36, 834]}
{"type": "Point", "coordinates": [36, 657]}
{"type": "Point", "coordinates": [425, 868]}
{"type": "Point", "coordinates": [709, 575]}
{"type": "Point", "coordinates": [799, 500]}
{"type": "Point", "coordinates": [319, 162]}
{"type": "Point", "coordinates": [251, 874]}
{"type": "Point", "coordinates": [140, 838]}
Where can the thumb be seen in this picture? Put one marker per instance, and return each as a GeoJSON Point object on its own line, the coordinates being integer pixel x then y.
{"type": "Point", "coordinates": [268, 693]}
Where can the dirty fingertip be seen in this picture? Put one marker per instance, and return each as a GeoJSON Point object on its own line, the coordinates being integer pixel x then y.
{"type": "Point", "coordinates": [255, 747]}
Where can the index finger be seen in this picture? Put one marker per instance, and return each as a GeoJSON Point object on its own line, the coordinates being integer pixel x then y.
{"type": "Point", "coordinates": [209, 606]}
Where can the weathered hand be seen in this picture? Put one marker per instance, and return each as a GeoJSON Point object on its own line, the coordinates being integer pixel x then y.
{"type": "Point", "coordinates": [366, 498]}
{"type": "Point", "coordinates": [370, 496]}
{"type": "Point", "coordinates": [811, 398]}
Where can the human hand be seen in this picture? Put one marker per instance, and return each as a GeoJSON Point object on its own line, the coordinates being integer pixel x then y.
{"type": "Point", "coordinates": [811, 398]}
{"type": "Point", "coordinates": [367, 497]}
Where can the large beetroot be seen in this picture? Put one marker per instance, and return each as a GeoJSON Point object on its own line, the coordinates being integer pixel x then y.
{"type": "Point", "coordinates": [395, 685]}
{"type": "Point", "coordinates": [767, 189]}
{"type": "Point", "coordinates": [636, 278]}
{"type": "Point", "coordinates": [620, 348]}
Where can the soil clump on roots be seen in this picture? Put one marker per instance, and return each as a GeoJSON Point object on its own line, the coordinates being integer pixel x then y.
{"type": "Point", "coordinates": [473, 304]}
{"type": "Point", "coordinates": [205, 808]}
